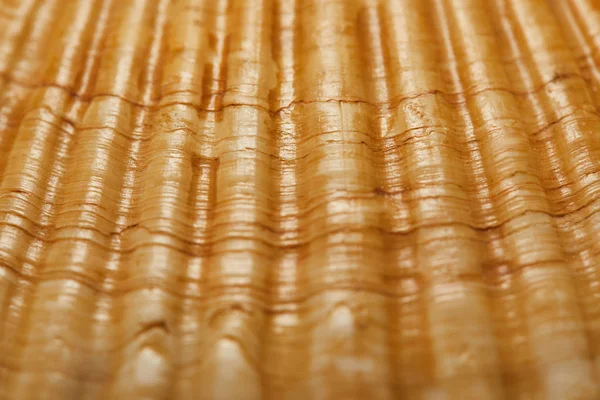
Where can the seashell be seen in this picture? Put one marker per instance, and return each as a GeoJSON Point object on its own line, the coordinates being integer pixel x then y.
{"type": "Point", "coordinates": [299, 199]}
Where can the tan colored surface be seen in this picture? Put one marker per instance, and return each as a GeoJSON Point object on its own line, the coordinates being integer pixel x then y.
{"type": "Point", "coordinates": [299, 199]}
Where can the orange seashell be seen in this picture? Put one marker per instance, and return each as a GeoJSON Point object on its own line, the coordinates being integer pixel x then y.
{"type": "Point", "coordinates": [299, 199]}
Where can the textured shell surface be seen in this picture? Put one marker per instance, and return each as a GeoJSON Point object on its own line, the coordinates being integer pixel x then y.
{"type": "Point", "coordinates": [300, 199]}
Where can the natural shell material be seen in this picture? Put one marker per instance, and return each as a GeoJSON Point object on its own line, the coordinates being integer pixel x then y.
{"type": "Point", "coordinates": [299, 199]}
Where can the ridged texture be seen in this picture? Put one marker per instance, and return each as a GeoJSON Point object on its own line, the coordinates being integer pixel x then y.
{"type": "Point", "coordinates": [299, 199]}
